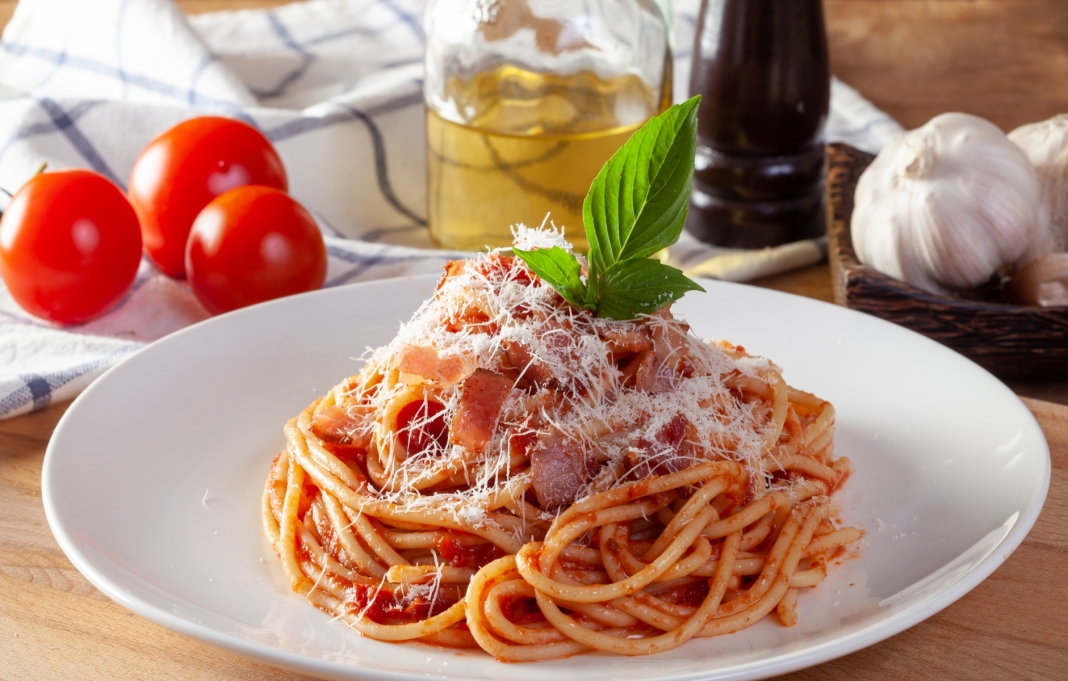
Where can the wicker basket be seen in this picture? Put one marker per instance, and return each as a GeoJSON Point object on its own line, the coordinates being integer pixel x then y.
{"type": "Point", "coordinates": [1010, 341]}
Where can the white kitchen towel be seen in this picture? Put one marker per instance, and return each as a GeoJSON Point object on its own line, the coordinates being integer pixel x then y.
{"type": "Point", "coordinates": [335, 85]}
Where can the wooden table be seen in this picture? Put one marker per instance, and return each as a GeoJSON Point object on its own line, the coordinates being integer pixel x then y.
{"type": "Point", "coordinates": [1006, 60]}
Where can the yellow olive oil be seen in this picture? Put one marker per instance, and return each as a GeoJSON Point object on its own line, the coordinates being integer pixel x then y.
{"type": "Point", "coordinates": [517, 146]}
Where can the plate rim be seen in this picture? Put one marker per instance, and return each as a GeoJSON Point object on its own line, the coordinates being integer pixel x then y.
{"type": "Point", "coordinates": [784, 663]}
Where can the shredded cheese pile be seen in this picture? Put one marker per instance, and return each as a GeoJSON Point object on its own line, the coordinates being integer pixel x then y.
{"type": "Point", "coordinates": [491, 311]}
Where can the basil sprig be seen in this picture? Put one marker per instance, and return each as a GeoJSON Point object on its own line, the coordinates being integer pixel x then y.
{"type": "Point", "coordinates": [636, 206]}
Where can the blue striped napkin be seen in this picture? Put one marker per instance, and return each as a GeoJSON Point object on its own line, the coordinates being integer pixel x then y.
{"type": "Point", "coordinates": [337, 87]}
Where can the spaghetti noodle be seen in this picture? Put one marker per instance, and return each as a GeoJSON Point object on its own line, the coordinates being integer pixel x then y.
{"type": "Point", "coordinates": [513, 473]}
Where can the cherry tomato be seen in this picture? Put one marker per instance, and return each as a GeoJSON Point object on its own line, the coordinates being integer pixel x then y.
{"type": "Point", "coordinates": [250, 245]}
{"type": "Point", "coordinates": [183, 169]}
{"type": "Point", "coordinates": [69, 246]}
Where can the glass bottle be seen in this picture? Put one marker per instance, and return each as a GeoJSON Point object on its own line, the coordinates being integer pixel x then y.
{"type": "Point", "coordinates": [526, 100]}
{"type": "Point", "coordinates": [762, 68]}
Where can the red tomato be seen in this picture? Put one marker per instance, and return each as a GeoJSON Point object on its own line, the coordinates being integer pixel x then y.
{"type": "Point", "coordinates": [183, 169]}
{"type": "Point", "coordinates": [69, 246]}
{"type": "Point", "coordinates": [250, 245]}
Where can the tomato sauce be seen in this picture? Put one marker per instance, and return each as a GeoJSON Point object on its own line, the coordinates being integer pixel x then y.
{"type": "Point", "coordinates": [518, 611]}
{"type": "Point", "coordinates": [458, 553]}
{"type": "Point", "coordinates": [430, 426]}
{"type": "Point", "coordinates": [691, 594]}
{"type": "Point", "coordinates": [520, 444]}
{"type": "Point", "coordinates": [381, 606]}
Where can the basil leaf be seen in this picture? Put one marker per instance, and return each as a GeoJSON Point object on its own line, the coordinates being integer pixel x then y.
{"type": "Point", "coordinates": [637, 204]}
{"type": "Point", "coordinates": [559, 268]}
{"type": "Point", "coordinates": [642, 286]}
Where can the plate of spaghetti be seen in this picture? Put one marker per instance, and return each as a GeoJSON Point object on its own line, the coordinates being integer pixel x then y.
{"type": "Point", "coordinates": [505, 477]}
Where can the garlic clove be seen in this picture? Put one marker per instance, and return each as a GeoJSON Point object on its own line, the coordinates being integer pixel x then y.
{"type": "Point", "coordinates": [1043, 282]}
{"type": "Point", "coordinates": [1046, 145]}
{"type": "Point", "coordinates": [945, 206]}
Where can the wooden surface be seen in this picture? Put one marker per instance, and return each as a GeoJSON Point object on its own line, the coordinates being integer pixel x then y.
{"type": "Point", "coordinates": [1006, 60]}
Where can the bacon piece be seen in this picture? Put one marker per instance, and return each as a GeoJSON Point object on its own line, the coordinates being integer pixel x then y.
{"type": "Point", "coordinates": [498, 267]}
{"type": "Point", "coordinates": [669, 343]}
{"type": "Point", "coordinates": [453, 268]}
{"type": "Point", "coordinates": [673, 431]}
{"type": "Point", "coordinates": [627, 340]}
{"type": "Point", "coordinates": [643, 372]}
{"type": "Point", "coordinates": [471, 318]}
{"type": "Point", "coordinates": [340, 425]}
{"type": "Point", "coordinates": [555, 356]}
{"type": "Point", "coordinates": [534, 372]}
{"type": "Point", "coordinates": [423, 361]}
{"type": "Point", "coordinates": [668, 453]}
{"type": "Point", "coordinates": [559, 469]}
{"type": "Point", "coordinates": [640, 372]}
{"type": "Point", "coordinates": [481, 398]}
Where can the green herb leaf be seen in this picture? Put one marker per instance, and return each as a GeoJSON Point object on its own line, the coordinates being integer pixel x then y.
{"type": "Point", "coordinates": [642, 286]}
{"type": "Point", "coordinates": [637, 204]}
{"type": "Point", "coordinates": [559, 268]}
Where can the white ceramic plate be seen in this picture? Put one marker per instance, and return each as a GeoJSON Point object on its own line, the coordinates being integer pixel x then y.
{"type": "Point", "coordinates": [153, 478]}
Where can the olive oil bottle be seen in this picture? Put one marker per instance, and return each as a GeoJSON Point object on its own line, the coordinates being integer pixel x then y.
{"type": "Point", "coordinates": [517, 146]}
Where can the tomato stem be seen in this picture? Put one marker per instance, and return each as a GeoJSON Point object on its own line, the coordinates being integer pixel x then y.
{"type": "Point", "coordinates": [40, 169]}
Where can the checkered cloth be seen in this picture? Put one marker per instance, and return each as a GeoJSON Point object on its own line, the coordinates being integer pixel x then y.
{"type": "Point", "coordinates": [336, 85]}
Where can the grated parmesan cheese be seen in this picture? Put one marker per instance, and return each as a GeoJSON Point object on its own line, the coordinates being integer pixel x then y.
{"type": "Point", "coordinates": [574, 387]}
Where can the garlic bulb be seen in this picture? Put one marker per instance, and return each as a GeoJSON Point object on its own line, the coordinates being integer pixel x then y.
{"type": "Point", "coordinates": [944, 206]}
{"type": "Point", "coordinates": [1046, 144]}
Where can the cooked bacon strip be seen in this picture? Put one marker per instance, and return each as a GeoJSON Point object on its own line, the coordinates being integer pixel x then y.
{"type": "Point", "coordinates": [669, 344]}
{"type": "Point", "coordinates": [559, 470]}
{"type": "Point", "coordinates": [668, 453]}
{"type": "Point", "coordinates": [453, 268]}
{"type": "Point", "coordinates": [340, 425]}
{"type": "Point", "coordinates": [640, 372]}
{"type": "Point", "coordinates": [481, 398]}
{"type": "Point", "coordinates": [673, 431]}
{"type": "Point", "coordinates": [629, 340]}
{"type": "Point", "coordinates": [423, 361]}
{"type": "Point", "coordinates": [534, 372]}
{"type": "Point", "coordinates": [644, 372]}
{"type": "Point", "coordinates": [471, 318]}
{"type": "Point", "coordinates": [498, 267]}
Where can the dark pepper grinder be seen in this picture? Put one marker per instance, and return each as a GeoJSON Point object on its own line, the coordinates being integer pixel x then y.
{"type": "Point", "coordinates": [761, 68]}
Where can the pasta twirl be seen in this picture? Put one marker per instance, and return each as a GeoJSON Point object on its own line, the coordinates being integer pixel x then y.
{"type": "Point", "coordinates": [513, 473]}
